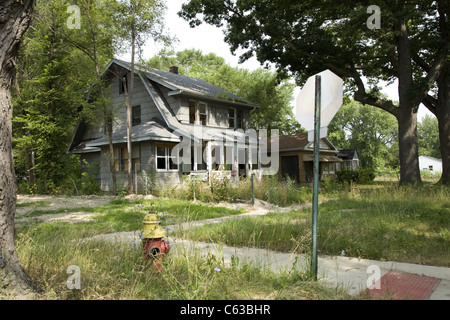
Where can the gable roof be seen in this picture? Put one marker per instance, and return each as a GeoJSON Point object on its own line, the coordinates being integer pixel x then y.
{"type": "Point", "coordinates": [347, 154]}
{"type": "Point", "coordinates": [300, 142]}
{"type": "Point", "coordinates": [180, 84]}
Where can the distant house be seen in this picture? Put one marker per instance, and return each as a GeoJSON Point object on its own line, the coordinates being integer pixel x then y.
{"type": "Point", "coordinates": [168, 109]}
{"type": "Point", "coordinates": [296, 157]}
{"type": "Point", "coordinates": [350, 160]}
{"type": "Point", "coordinates": [430, 164]}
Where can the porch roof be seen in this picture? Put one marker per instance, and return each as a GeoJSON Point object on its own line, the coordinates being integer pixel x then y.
{"type": "Point", "coordinates": [322, 158]}
{"type": "Point", "coordinates": [150, 130]}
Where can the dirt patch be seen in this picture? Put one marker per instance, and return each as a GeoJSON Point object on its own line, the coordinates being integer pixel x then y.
{"type": "Point", "coordinates": [51, 203]}
{"type": "Point", "coordinates": [71, 217]}
{"type": "Point", "coordinates": [260, 206]}
{"type": "Point", "coordinates": [61, 202]}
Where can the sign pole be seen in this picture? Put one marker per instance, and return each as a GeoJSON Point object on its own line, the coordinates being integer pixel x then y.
{"type": "Point", "coordinates": [315, 204]}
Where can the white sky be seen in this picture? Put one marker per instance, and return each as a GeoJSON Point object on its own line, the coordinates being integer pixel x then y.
{"type": "Point", "coordinates": [208, 39]}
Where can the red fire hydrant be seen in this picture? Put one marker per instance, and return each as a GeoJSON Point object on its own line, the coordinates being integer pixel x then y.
{"type": "Point", "coordinates": [152, 242]}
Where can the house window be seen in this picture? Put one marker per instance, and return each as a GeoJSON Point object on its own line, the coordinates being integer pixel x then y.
{"type": "Point", "coordinates": [239, 119]}
{"type": "Point", "coordinates": [328, 168]}
{"type": "Point", "coordinates": [136, 115]}
{"type": "Point", "coordinates": [123, 83]}
{"type": "Point", "coordinates": [192, 107]}
{"type": "Point", "coordinates": [121, 158]}
{"type": "Point", "coordinates": [231, 117]}
{"type": "Point", "coordinates": [235, 118]}
{"type": "Point", "coordinates": [202, 116]}
{"type": "Point", "coordinates": [164, 160]}
{"type": "Point", "coordinates": [198, 113]}
{"type": "Point", "coordinates": [431, 168]}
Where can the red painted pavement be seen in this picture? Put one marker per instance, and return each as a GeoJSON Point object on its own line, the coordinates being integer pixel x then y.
{"type": "Point", "coordinates": [404, 286]}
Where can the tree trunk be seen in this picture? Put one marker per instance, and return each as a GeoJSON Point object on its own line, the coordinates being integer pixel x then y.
{"type": "Point", "coordinates": [407, 112]}
{"type": "Point", "coordinates": [32, 171]}
{"type": "Point", "coordinates": [112, 161]}
{"type": "Point", "coordinates": [443, 116]}
{"type": "Point", "coordinates": [408, 147]}
{"type": "Point", "coordinates": [15, 17]}
{"type": "Point", "coordinates": [129, 114]}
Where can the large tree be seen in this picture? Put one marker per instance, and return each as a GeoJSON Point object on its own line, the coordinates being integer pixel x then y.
{"type": "Point", "coordinates": [95, 39]}
{"type": "Point", "coordinates": [53, 78]}
{"type": "Point", "coordinates": [15, 16]}
{"type": "Point", "coordinates": [306, 37]}
{"type": "Point", "coordinates": [136, 20]}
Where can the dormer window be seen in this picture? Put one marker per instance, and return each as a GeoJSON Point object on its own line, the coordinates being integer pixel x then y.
{"type": "Point", "coordinates": [198, 112]}
{"type": "Point", "coordinates": [123, 83]}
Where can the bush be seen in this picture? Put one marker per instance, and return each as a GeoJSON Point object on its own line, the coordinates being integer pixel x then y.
{"type": "Point", "coordinates": [269, 188]}
{"type": "Point", "coordinates": [88, 182]}
{"type": "Point", "coordinates": [358, 176]}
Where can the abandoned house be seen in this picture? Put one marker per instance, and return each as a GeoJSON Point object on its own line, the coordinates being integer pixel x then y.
{"type": "Point", "coordinates": [297, 154]}
{"type": "Point", "coordinates": [169, 110]}
{"type": "Point", "coordinates": [350, 160]}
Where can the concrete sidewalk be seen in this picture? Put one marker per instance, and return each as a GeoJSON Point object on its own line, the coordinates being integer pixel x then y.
{"type": "Point", "coordinates": [380, 278]}
{"type": "Point", "coordinates": [351, 274]}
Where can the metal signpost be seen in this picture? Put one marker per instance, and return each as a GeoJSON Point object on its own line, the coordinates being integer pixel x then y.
{"type": "Point", "coordinates": [315, 203]}
{"type": "Point", "coordinates": [316, 106]}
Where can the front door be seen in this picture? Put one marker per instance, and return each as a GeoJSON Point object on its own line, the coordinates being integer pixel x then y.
{"type": "Point", "coordinates": [289, 167]}
{"type": "Point", "coordinates": [309, 171]}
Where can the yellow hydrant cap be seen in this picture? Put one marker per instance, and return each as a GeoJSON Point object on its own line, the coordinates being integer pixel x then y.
{"type": "Point", "coordinates": [151, 227]}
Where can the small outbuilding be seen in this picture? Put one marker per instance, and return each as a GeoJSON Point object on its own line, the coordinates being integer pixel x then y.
{"type": "Point", "coordinates": [429, 164]}
{"type": "Point", "coordinates": [350, 160]}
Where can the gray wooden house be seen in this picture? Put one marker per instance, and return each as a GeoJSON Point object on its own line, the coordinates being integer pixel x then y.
{"type": "Point", "coordinates": [170, 110]}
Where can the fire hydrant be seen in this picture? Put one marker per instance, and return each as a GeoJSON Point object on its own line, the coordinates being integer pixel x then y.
{"type": "Point", "coordinates": [153, 243]}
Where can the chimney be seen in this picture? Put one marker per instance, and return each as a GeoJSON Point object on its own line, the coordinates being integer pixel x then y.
{"type": "Point", "coordinates": [174, 69]}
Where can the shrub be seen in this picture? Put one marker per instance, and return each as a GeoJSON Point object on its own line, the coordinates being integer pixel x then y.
{"type": "Point", "coordinates": [89, 184]}
{"type": "Point", "coordinates": [359, 176]}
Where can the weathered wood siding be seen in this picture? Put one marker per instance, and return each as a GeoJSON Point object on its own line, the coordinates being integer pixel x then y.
{"type": "Point", "coordinates": [217, 112]}
{"type": "Point", "coordinates": [140, 98]}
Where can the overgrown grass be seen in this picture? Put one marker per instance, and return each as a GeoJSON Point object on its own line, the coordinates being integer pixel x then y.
{"type": "Point", "coordinates": [126, 215]}
{"type": "Point", "coordinates": [378, 221]}
{"type": "Point", "coordinates": [402, 224]}
{"type": "Point", "coordinates": [269, 188]}
{"type": "Point", "coordinates": [118, 271]}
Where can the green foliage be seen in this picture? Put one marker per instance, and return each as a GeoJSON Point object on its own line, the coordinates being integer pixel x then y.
{"type": "Point", "coordinates": [370, 131]}
{"type": "Point", "coordinates": [220, 187]}
{"type": "Point", "coordinates": [54, 76]}
{"type": "Point", "coordinates": [136, 21]}
{"type": "Point", "coordinates": [88, 180]}
{"type": "Point", "coordinates": [361, 175]}
{"type": "Point", "coordinates": [428, 137]}
{"type": "Point", "coordinates": [303, 38]}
